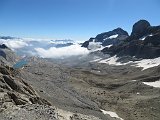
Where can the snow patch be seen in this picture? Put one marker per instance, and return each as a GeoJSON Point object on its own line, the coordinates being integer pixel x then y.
{"type": "Point", "coordinates": [154, 84]}
{"type": "Point", "coordinates": [96, 60]}
{"type": "Point", "coordinates": [138, 93]}
{"type": "Point", "coordinates": [113, 36]}
{"type": "Point", "coordinates": [144, 37]}
{"type": "Point", "coordinates": [112, 114]}
{"type": "Point", "coordinates": [144, 63]}
{"type": "Point", "coordinates": [134, 80]}
{"type": "Point", "coordinates": [113, 61]}
{"type": "Point", "coordinates": [147, 63]}
{"type": "Point", "coordinates": [67, 115]}
{"type": "Point", "coordinates": [108, 46]}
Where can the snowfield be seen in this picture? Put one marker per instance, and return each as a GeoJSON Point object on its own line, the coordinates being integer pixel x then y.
{"type": "Point", "coordinates": [113, 36]}
{"type": "Point", "coordinates": [108, 46]}
{"type": "Point", "coordinates": [144, 63]}
{"type": "Point", "coordinates": [153, 84]}
{"type": "Point", "coordinates": [143, 38]}
{"type": "Point", "coordinates": [147, 63]}
{"type": "Point", "coordinates": [113, 61]}
{"type": "Point", "coordinates": [112, 114]}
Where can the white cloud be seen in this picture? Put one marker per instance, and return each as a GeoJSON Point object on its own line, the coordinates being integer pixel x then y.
{"type": "Point", "coordinates": [53, 52]}
{"type": "Point", "coordinates": [15, 44]}
{"type": "Point", "coordinates": [37, 47]}
{"type": "Point", "coordinates": [94, 45]}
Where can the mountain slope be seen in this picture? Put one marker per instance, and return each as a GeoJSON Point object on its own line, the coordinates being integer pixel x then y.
{"type": "Point", "coordinates": [20, 100]}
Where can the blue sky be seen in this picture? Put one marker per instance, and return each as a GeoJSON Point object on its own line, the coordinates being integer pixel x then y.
{"type": "Point", "coordinates": [73, 19]}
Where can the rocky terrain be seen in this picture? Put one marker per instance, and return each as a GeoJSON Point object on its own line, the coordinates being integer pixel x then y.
{"type": "Point", "coordinates": [23, 97]}
{"type": "Point", "coordinates": [114, 81]}
{"type": "Point", "coordinates": [86, 90]}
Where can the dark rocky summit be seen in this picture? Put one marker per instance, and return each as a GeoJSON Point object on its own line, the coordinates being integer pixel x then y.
{"type": "Point", "coordinates": [3, 46]}
{"type": "Point", "coordinates": [140, 29]}
{"type": "Point", "coordinates": [106, 39]}
{"type": "Point", "coordinates": [6, 37]}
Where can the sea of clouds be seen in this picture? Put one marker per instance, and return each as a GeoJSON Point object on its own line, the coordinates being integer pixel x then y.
{"type": "Point", "coordinates": [44, 48]}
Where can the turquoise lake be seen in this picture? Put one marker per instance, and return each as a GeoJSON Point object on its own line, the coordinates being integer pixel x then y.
{"type": "Point", "coordinates": [20, 64]}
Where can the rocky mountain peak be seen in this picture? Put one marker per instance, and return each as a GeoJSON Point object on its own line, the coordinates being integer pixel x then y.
{"type": "Point", "coordinates": [140, 29]}
{"type": "Point", "coordinates": [115, 36]}
{"type": "Point", "coordinates": [120, 31]}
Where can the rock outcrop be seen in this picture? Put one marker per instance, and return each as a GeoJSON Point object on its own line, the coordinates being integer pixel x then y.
{"type": "Point", "coordinates": [15, 90]}
{"type": "Point", "coordinates": [7, 56]}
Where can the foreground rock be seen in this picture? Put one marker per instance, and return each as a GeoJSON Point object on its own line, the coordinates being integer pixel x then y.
{"type": "Point", "coordinates": [7, 56]}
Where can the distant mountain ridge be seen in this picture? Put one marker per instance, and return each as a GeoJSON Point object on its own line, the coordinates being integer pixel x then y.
{"type": "Point", "coordinates": [7, 37]}
{"type": "Point", "coordinates": [113, 37]}
{"type": "Point", "coordinates": [144, 41]}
